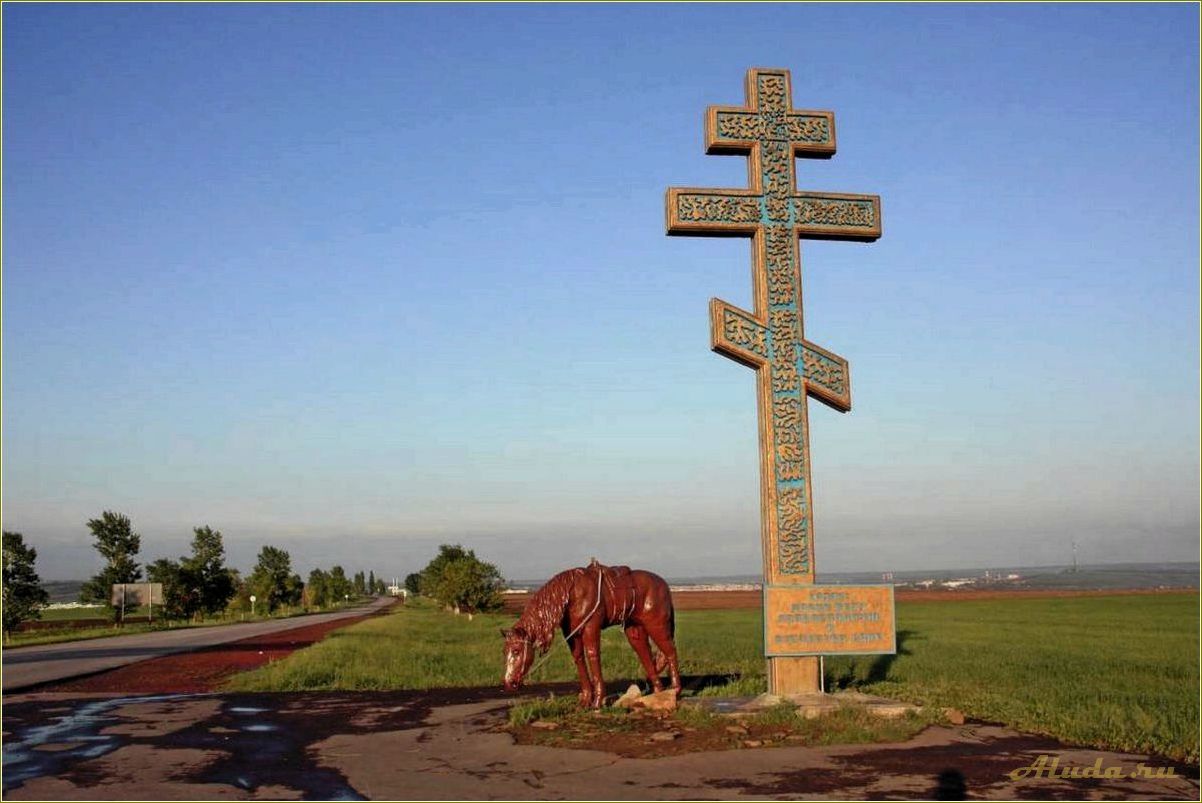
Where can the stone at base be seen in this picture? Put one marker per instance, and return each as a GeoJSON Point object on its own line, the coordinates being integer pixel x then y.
{"type": "Point", "coordinates": [659, 701]}
{"type": "Point", "coordinates": [631, 694]}
{"type": "Point", "coordinates": [954, 716]}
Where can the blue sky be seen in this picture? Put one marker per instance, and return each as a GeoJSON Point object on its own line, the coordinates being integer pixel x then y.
{"type": "Point", "coordinates": [355, 280]}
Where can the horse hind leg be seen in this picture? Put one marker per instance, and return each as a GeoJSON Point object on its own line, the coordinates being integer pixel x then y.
{"type": "Point", "coordinates": [663, 637]}
{"type": "Point", "coordinates": [637, 636]}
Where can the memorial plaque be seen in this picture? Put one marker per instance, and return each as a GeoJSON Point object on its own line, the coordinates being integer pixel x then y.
{"type": "Point", "coordinates": [828, 620]}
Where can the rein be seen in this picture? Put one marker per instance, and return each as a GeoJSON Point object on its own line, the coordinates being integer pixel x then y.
{"type": "Point", "coordinates": [568, 637]}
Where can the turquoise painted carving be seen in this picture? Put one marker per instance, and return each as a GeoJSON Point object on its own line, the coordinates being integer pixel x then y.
{"type": "Point", "coordinates": [770, 339]}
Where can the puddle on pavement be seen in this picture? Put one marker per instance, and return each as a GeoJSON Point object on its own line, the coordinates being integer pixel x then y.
{"type": "Point", "coordinates": [251, 752]}
{"type": "Point", "coordinates": [31, 752]}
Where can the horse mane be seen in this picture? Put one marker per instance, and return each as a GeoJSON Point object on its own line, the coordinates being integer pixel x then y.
{"type": "Point", "coordinates": [544, 611]}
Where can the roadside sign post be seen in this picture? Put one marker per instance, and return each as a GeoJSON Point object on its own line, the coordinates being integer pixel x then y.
{"type": "Point", "coordinates": [252, 605]}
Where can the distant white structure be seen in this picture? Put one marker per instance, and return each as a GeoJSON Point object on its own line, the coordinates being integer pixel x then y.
{"type": "Point", "coordinates": [398, 590]}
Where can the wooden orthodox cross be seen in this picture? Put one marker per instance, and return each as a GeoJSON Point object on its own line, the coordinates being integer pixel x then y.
{"type": "Point", "coordinates": [769, 339]}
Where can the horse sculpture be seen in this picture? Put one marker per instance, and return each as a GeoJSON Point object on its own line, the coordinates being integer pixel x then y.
{"type": "Point", "coordinates": [583, 601]}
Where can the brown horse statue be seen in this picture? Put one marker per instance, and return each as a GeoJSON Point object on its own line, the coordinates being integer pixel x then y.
{"type": "Point", "coordinates": [582, 602]}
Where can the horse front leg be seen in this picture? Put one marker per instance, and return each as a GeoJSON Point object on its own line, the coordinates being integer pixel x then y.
{"type": "Point", "coordinates": [576, 644]}
{"type": "Point", "coordinates": [592, 653]}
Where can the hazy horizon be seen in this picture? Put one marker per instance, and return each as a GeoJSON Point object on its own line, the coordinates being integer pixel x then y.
{"type": "Point", "coordinates": [326, 278]}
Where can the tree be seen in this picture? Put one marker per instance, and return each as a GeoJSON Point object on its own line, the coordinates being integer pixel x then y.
{"type": "Point", "coordinates": [241, 599]}
{"type": "Point", "coordinates": [24, 596]}
{"type": "Point", "coordinates": [462, 582]}
{"type": "Point", "coordinates": [431, 576]}
{"type": "Point", "coordinates": [381, 588]}
{"type": "Point", "coordinates": [207, 567]}
{"type": "Point", "coordinates": [272, 581]}
{"type": "Point", "coordinates": [413, 583]}
{"type": "Point", "coordinates": [294, 590]}
{"type": "Point", "coordinates": [182, 591]}
{"type": "Point", "coordinates": [371, 582]}
{"type": "Point", "coordinates": [470, 586]}
{"type": "Point", "coordinates": [318, 588]}
{"type": "Point", "coordinates": [360, 584]}
{"type": "Point", "coordinates": [340, 587]}
{"type": "Point", "coordinates": [118, 544]}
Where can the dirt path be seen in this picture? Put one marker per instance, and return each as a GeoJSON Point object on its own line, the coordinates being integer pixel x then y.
{"type": "Point", "coordinates": [451, 745]}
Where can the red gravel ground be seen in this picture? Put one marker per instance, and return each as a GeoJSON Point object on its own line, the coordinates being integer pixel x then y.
{"type": "Point", "coordinates": [205, 669]}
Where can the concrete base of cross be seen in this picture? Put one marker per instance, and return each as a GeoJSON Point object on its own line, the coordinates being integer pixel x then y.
{"type": "Point", "coordinates": [810, 705]}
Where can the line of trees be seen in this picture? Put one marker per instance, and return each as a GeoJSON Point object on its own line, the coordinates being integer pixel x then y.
{"type": "Point", "coordinates": [194, 586]}
{"type": "Point", "coordinates": [326, 588]}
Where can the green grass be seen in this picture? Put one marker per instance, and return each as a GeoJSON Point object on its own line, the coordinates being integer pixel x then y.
{"type": "Point", "coordinates": [779, 724]}
{"type": "Point", "coordinates": [1117, 671]}
{"type": "Point", "coordinates": [70, 614]}
{"type": "Point", "coordinates": [1120, 671]}
{"type": "Point", "coordinates": [553, 708]}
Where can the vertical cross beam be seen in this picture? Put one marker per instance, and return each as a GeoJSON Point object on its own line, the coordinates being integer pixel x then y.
{"type": "Point", "coordinates": [770, 339]}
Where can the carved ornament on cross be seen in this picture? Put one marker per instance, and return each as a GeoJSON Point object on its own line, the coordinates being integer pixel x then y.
{"type": "Point", "coordinates": [770, 338]}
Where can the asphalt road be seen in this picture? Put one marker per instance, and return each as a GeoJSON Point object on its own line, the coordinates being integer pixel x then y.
{"type": "Point", "coordinates": [31, 666]}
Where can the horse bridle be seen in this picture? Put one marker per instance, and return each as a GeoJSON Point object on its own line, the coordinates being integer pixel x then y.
{"type": "Point", "coordinates": [526, 644]}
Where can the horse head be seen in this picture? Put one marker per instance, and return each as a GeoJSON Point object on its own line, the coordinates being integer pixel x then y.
{"type": "Point", "coordinates": [519, 655]}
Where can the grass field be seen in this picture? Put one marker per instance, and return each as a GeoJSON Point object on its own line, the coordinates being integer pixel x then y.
{"type": "Point", "coordinates": [1115, 671]}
